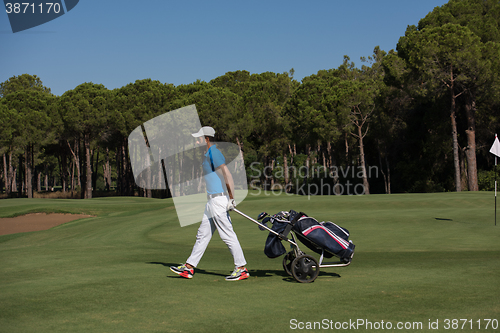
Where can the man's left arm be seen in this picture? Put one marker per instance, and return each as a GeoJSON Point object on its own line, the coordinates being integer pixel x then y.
{"type": "Point", "coordinates": [228, 180]}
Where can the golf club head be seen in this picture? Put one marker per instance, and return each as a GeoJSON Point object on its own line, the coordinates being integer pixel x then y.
{"type": "Point", "coordinates": [283, 215]}
{"type": "Point", "coordinates": [262, 215]}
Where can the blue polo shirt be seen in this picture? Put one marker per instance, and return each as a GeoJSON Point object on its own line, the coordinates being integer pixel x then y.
{"type": "Point", "coordinates": [213, 159]}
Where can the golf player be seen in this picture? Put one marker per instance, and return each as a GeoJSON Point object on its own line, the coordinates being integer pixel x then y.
{"type": "Point", "coordinates": [216, 215]}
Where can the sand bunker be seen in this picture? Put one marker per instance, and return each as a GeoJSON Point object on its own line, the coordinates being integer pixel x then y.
{"type": "Point", "coordinates": [35, 222]}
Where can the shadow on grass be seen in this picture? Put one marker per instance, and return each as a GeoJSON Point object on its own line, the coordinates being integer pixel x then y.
{"type": "Point", "coordinates": [322, 273]}
{"type": "Point", "coordinates": [255, 272]}
{"type": "Point", "coordinates": [289, 278]}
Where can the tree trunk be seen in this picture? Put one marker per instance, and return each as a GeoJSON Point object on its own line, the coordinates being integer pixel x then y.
{"type": "Point", "coordinates": [64, 173]}
{"type": "Point", "coordinates": [128, 185]}
{"type": "Point", "coordinates": [272, 174]}
{"type": "Point", "coordinates": [180, 172]}
{"type": "Point", "coordinates": [39, 181]}
{"type": "Point", "coordinates": [119, 172]}
{"type": "Point", "coordinates": [147, 190]}
{"type": "Point", "coordinates": [12, 177]}
{"type": "Point", "coordinates": [94, 167]}
{"type": "Point", "coordinates": [83, 171]}
{"type": "Point", "coordinates": [308, 159]}
{"type": "Point", "coordinates": [88, 167]}
{"type": "Point", "coordinates": [456, 157]}
{"type": "Point", "coordinates": [16, 178]}
{"type": "Point", "coordinates": [463, 169]}
{"type": "Point", "coordinates": [366, 185]}
{"type": "Point", "coordinates": [470, 152]}
{"type": "Point", "coordinates": [285, 166]}
{"type": "Point", "coordinates": [107, 171]}
{"type": "Point", "coordinates": [454, 132]}
{"type": "Point", "coordinates": [331, 168]}
{"type": "Point", "coordinates": [28, 171]}
{"type": "Point", "coordinates": [346, 150]}
{"type": "Point", "coordinates": [46, 180]}
{"type": "Point", "coordinates": [19, 175]}
{"type": "Point", "coordinates": [265, 176]}
{"type": "Point", "coordinates": [324, 161]}
{"type": "Point", "coordinates": [240, 146]}
{"type": "Point", "coordinates": [305, 181]}
{"type": "Point", "coordinates": [76, 162]}
{"type": "Point", "coordinates": [382, 170]}
{"type": "Point", "coordinates": [316, 156]}
{"type": "Point", "coordinates": [108, 174]}
{"type": "Point", "coordinates": [291, 153]}
{"type": "Point", "coordinates": [6, 174]}
{"type": "Point", "coordinates": [329, 154]}
{"type": "Point", "coordinates": [64, 167]}
{"type": "Point", "coordinates": [388, 175]}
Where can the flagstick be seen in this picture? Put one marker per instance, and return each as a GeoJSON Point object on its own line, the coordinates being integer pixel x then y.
{"type": "Point", "coordinates": [495, 150]}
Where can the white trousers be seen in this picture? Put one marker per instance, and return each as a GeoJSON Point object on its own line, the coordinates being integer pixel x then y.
{"type": "Point", "coordinates": [216, 217]}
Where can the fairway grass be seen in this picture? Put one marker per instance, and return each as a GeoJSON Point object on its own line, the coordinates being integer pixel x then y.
{"type": "Point", "coordinates": [419, 259]}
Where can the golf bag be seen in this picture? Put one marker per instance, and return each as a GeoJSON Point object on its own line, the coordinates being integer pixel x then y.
{"type": "Point", "coordinates": [274, 248]}
{"type": "Point", "coordinates": [324, 238]}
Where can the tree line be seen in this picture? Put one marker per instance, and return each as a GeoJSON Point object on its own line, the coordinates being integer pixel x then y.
{"type": "Point", "coordinates": [424, 115]}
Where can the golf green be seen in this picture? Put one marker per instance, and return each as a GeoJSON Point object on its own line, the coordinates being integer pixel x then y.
{"type": "Point", "coordinates": [423, 262]}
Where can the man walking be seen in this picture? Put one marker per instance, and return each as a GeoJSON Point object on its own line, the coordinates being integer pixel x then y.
{"type": "Point", "coordinates": [216, 215]}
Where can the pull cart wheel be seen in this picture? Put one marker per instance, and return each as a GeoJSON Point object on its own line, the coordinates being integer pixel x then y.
{"type": "Point", "coordinates": [305, 268]}
{"type": "Point", "coordinates": [287, 262]}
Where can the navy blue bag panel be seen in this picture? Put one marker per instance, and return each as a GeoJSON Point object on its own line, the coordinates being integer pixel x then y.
{"type": "Point", "coordinates": [338, 230]}
{"type": "Point", "coordinates": [317, 236]}
{"type": "Point", "coordinates": [274, 248]}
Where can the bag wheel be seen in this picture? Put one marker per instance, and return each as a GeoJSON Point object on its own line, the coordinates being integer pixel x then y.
{"type": "Point", "coordinates": [287, 262]}
{"type": "Point", "coordinates": [305, 268]}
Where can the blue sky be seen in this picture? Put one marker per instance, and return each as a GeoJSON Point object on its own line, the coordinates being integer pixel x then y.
{"type": "Point", "coordinates": [179, 42]}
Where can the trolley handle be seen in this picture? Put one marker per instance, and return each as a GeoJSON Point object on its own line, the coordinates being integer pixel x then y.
{"type": "Point", "coordinates": [281, 236]}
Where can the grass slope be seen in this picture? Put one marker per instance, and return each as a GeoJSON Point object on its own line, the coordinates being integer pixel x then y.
{"type": "Point", "coordinates": [419, 258]}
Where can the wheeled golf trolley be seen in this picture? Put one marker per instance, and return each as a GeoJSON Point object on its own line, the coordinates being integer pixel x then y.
{"type": "Point", "coordinates": [325, 238]}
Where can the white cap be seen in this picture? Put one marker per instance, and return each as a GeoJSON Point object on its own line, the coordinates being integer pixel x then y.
{"type": "Point", "coordinates": [204, 131]}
